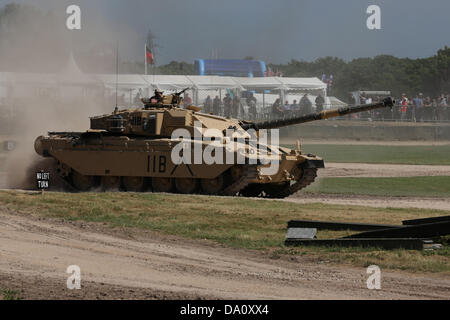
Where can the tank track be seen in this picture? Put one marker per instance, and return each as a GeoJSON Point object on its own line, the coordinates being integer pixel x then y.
{"type": "Point", "coordinates": [249, 175]}
{"type": "Point", "coordinates": [308, 177]}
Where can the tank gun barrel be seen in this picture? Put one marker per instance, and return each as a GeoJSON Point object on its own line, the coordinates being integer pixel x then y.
{"type": "Point", "coordinates": [326, 114]}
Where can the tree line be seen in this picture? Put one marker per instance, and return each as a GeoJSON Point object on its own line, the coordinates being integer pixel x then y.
{"type": "Point", "coordinates": [431, 75]}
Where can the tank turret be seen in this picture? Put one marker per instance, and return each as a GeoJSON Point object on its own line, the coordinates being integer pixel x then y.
{"type": "Point", "coordinates": [326, 114]}
{"type": "Point", "coordinates": [160, 115]}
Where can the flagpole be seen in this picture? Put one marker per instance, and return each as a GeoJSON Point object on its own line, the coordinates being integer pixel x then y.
{"type": "Point", "coordinates": [117, 70]}
{"type": "Point", "coordinates": [145, 57]}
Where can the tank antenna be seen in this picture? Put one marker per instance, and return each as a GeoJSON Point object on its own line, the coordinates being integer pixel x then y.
{"type": "Point", "coordinates": [117, 71]}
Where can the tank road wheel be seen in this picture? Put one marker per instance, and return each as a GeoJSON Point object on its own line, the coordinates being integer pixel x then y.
{"type": "Point", "coordinates": [212, 186]}
{"type": "Point", "coordinates": [162, 184]}
{"type": "Point", "coordinates": [252, 190]}
{"type": "Point", "coordinates": [135, 184]}
{"type": "Point", "coordinates": [82, 182]}
{"type": "Point", "coordinates": [110, 183]}
{"type": "Point", "coordinates": [186, 185]}
{"type": "Point", "coordinates": [273, 190]}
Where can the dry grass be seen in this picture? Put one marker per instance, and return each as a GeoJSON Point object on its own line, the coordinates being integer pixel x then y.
{"type": "Point", "coordinates": [236, 222]}
{"type": "Point", "coordinates": [385, 186]}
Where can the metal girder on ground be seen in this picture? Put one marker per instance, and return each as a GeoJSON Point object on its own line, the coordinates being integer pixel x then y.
{"type": "Point", "coordinates": [428, 230]}
{"type": "Point", "coordinates": [337, 225]}
{"type": "Point", "coordinates": [397, 243]}
{"type": "Point", "coordinates": [426, 220]}
{"type": "Point", "coordinates": [413, 234]}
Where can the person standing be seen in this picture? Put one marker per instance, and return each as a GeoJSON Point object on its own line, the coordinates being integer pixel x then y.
{"type": "Point", "coordinates": [319, 103]}
{"type": "Point", "coordinates": [428, 111]}
{"type": "Point", "coordinates": [329, 83]}
{"type": "Point", "coordinates": [208, 106]}
{"type": "Point", "coordinates": [417, 108]}
{"type": "Point", "coordinates": [236, 105]}
{"type": "Point", "coordinates": [287, 108]}
{"type": "Point", "coordinates": [251, 103]}
{"type": "Point", "coordinates": [403, 107]}
{"type": "Point", "coordinates": [295, 108]}
{"type": "Point", "coordinates": [305, 105]}
{"type": "Point", "coordinates": [187, 101]}
{"type": "Point", "coordinates": [436, 109]}
{"type": "Point", "coordinates": [277, 110]}
{"type": "Point", "coordinates": [443, 105]}
{"type": "Point", "coordinates": [216, 106]}
{"type": "Point", "coordinates": [227, 105]}
{"type": "Point", "coordinates": [137, 99]}
{"type": "Point", "coordinates": [250, 98]}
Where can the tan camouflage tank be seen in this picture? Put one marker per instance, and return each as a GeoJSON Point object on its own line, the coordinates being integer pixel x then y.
{"type": "Point", "coordinates": [132, 150]}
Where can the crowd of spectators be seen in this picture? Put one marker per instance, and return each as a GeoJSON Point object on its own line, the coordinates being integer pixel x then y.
{"type": "Point", "coordinates": [232, 106]}
{"type": "Point", "coordinates": [417, 109]}
{"type": "Point", "coordinates": [303, 107]}
{"type": "Point", "coordinates": [229, 106]}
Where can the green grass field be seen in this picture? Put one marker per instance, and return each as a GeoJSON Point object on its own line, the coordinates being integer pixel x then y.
{"type": "Point", "coordinates": [427, 155]}
{"type": "Point", "coordinates": [6, 294]}
{"type": "Point", "coordinates": [235, 222]}
{"type": "Point", "coordinates": [399, 186]}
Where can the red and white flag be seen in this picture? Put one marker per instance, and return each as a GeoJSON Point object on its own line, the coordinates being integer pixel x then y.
{"type": "Point", "coordinates": [149, 56]}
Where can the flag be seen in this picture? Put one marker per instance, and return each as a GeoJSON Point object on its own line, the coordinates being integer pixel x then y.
{"type": "Point", "coordinates": [269, 72]}
{"type": "Point", "coordinates": [149, 56]}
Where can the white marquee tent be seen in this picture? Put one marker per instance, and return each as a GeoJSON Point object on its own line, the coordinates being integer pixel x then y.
{"type": "Point", "coordinates": [131, 84]}
{"type": "Point", "coordinates": [177, 82]}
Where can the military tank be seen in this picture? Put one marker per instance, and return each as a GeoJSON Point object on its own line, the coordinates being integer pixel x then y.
{"type": "Point", "coordinates": [132, 150]}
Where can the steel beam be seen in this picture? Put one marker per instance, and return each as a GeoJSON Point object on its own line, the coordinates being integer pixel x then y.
{"type": "Point", "coordinates": [337, 225]}
{"type": "Point", "coordinates": [397, 243]}
{"type": "Point", "coordinates": [428, 230]}
{"type": "Point", "coordinates": [426, 220]}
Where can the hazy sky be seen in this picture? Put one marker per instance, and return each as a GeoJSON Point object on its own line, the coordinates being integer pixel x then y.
{"type": "Point", "coordinates": [274, 31]}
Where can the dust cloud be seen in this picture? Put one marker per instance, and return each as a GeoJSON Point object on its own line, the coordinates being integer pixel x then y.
{"type": "Point", "coordinates": [48, 82]}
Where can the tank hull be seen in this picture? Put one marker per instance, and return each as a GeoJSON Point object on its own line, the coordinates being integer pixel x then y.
{"type": "Point", "coordinates": [94, 159]}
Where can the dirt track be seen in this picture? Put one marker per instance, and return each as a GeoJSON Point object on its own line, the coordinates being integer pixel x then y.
{"type": "Point", "coordinates": [373, 201]}
{"type": "Point", "coordinates": [34, 255]}
{"type": "Point", "coordinates": [293, 141]}
{"type": "Point", "coordinates": [333, 169]}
